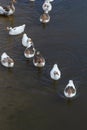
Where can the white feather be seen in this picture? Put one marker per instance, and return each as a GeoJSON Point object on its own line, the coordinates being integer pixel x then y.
{"type": "Point", "coordinates": [16, 30]}
{"type": "Point", "coordinates": [55, 73]}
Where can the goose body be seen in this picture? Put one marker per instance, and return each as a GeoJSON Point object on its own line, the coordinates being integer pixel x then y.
{"type": "Point", "coordinates": [29, 52]}
{"type": "Point", "coordinates": [70, 90]}
{"type": "Point", "coordinates": [46, 6]}
{"type": "Point", "coordinates": [8, 10]}
{"type": "Point", "coordinates": [26, 41]}
{"type": "Point", "coordinates": [38, 60]}
{"type": "Point", "coordinates": [16, 30]}
{"type": "Point", "coordinates": [44, 18]}
{"type": "Point", "coordinates": [55, 73]}
{"type": "Point", "coordinates": [6, 60]}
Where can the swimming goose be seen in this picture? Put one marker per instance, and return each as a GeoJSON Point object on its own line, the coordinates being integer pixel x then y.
{"type": "Point", "coordinates": [16, 30]}
{"type": "Point", "coordinates": [47, 6]}
{"type": "Point", "coordinates": [29, 52]}
{"type": "Point", "coordinates": [44, 18]}
{"type": "Point", "coordinates": [26, 41]}
{"type": "Point", "coordinates": [38, 60]}
{"type": "Point", "coordinates": [55, 73]}
{"type": "Point", "coordinates": [9, 9]}
{"type": "Point", "coordinates": [70, 90]}
{"type": "Point", "coordinates": [6, 60]}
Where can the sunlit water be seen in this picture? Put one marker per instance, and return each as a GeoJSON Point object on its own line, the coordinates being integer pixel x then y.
{"type": "Point", "coordinates": [29, 99]}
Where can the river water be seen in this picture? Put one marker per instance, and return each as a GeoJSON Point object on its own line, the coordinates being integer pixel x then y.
{"type": "Point", "coordinates": [29, 99]}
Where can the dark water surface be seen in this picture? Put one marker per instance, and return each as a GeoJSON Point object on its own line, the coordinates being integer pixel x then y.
{"type": "Point", "coordinates": [29, 100]}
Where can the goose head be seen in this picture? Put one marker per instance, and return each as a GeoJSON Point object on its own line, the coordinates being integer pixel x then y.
{"type": "Point", "coordinates": [12, 2]}
{"type": "Point", "coordinates": [29, 40]}
{"type": "Point", "coordinates": [8, 28]}
{"type": "Point", "coordinates": [11, 5]}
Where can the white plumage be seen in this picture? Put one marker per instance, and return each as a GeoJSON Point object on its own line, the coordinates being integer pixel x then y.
{"type": "Point", "coordinates": [16, 30]}
{"type": "Point", "coordinates": [26, 41]}
{"type": "Point", "coordinates": [70, 90]}
{"type": "Point", "coordinates": [29, 52]}
{"type": "Point", "coordinates": [6, 60]}
{"type": "Point", "coordinates": [55, 73]}
{"type": "Point", "coordinates": [49, 0]}
{"type": "Point", "coordinates": [8, 10]}
{"type": "Point", "coordinates": [46, 6]}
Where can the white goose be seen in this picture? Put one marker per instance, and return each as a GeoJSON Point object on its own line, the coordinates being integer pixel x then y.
{"type": "Point", "coordinates": [26, 41]}
{"type": "Point", "coordinates": [38, 60]}
{"type": "Point", "coordinates": [70, 90]}
{"type": "Point", "coordinates": [8, 10]}
{"type": "Point", "coordinates": [6, 60]}
{"type": "Point", "coordinates": [16, 30]}
{"type": "Point", "coordinates": [44, 18]}
{"type": "Point", "coordinates": [55, 73]}
{"type": "Point", "coordinates": [29, 52]}
{"type": "Point", "coordinates": [47, 6]}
